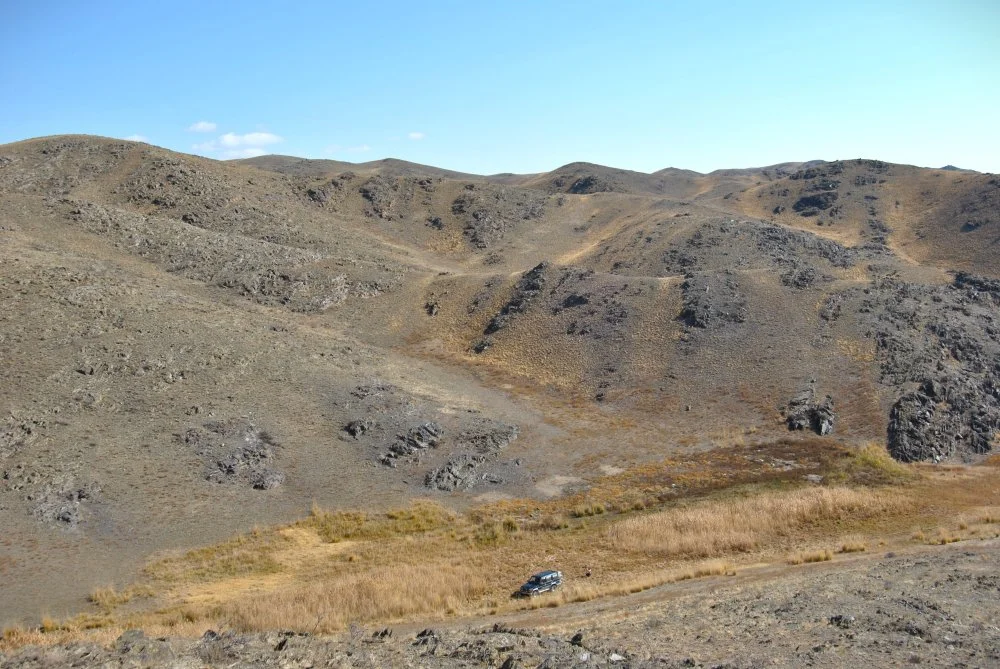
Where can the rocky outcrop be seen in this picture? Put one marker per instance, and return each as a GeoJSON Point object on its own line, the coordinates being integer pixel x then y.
{"type": "Point", "coordinates": [236, 452]}
{"type": "Point", "coordinates": [414, 441]}
{"type": "Point", "coordinates": [490, 211]}
{"type": "Point", "coordinates": [480, 446]}
{"type": "Point", "coordinates": [943, 344]}
{"type": "Point", "coordinates": [712, 300]}
{"type": "Point", "coordinates": [527, 289]}
{"type": "Point", "coordinates": [804, 412]}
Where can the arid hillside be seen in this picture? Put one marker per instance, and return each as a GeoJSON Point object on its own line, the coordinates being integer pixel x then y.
{"type": "Point", "coordinates": [189, 348]}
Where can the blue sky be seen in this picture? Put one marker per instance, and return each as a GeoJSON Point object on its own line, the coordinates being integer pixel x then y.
{"type": "Point", "coordinates": [515, 86]}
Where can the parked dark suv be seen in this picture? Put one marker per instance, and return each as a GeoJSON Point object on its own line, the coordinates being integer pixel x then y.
{"type": "Point", "coordinates": [544, 581]}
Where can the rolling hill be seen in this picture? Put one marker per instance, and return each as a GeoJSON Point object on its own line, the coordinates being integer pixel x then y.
{"type": "Point", "coordinates": [191, 347]}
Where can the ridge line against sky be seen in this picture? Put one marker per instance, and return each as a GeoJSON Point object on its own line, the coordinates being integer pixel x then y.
{"type": "Point", "coordinates": [523, 87]}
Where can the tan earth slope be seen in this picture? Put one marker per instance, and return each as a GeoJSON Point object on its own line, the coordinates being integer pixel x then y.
{"type": "Point", "coordinates": [190, 347]}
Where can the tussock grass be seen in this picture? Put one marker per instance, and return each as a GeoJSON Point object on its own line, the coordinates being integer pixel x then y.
{"type": "Point", "coordinates": [553, 522]}
{"type": "Point", "coordinates": [720, 527]}
{"type": "Point", "coordinates": [853, 545]}
{"type": "Point", "coordinates": [420, 517]}
{"type": "Point", "coordinates": [944, 537]}
{"type": "Point", "coordinates": [988, 515]}
{"type": "Point", "coordinates": [109, 598]}
{"type": "Point", "coordinates": [810, 556]}
{"type": "Point", "coordinates": [872, 465]}
{"type": "Point", "coordinates": [591, 509]}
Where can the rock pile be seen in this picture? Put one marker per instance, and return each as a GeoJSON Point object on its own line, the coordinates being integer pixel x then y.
{"type": "Point", "coordinates": [463, 470]}
{"type": "Point", "coordinates": [416, 440]}
{"type": "Point", "coordinates": [237, 452]}
{"type": "Point", "coordinates": [712, 300]}
{"type": "Point", "coordinates": [805, 413]}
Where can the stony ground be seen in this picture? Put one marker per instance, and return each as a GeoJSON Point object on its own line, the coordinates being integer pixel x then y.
{"type": "Point", "coordinates": [933, 606]}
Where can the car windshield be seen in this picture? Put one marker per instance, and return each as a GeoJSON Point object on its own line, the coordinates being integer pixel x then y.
{"type": "Point", "coordinates": [534, 580]}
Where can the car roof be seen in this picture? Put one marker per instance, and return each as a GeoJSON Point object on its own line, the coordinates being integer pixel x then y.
{"type": "Point", "coordinates": [542, 574]}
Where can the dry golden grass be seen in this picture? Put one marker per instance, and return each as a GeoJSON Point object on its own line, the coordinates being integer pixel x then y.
{"type": "Point", "coordinates": [988, 516]}
{"type": "Point", "coordinates": [420, 517]}
{"type": "Point", "coordinates": [944, 537]}
{"type": "Point", "coordinates": [383, 593]}
{"type": "Point", "coordinates": [109, 597]}
{"type": "Point", "coordinates": [748, 523]}
{"type": "Point", "coordinates": [872, 465]}
{"type": "Point", "coordinates": [425, 561]}
{"type": "Point", "coordinates": [810, 556]}
{"type": "Point", "coordinates": [245, 554]}
{"type": "Point", "coordinates": [853, 545]}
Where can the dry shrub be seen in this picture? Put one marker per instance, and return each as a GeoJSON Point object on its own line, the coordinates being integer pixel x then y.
{"type": "Point", "coordinates": [811, 556]}
{"type": "Point", "coordinates": [988, 515]}
{"type": "Point", "coordinates": [553, 522]}
{"type": "Point", "coordinates": [420, 517]}
{"type": "Point", "coordinates": [944, 537]}
{"type": "Point", "coordinates": [383, 593]}
{"type": "Point", "coordinates": [853, 545]}
{"type": "Point", "coordinates": [716, 527]}
{"type": "Point", "coordinates": [109, 598]}
{"type": "Point", "coordinates": [872, 465]}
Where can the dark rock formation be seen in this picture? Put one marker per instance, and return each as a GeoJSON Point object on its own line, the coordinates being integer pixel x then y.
{"type": "Point", "coordinates": [526, 290]}
{"type": "Point", "coordinates": [711, 300]}
{"type": "Point", "coordinates": [236, 452]}
{"type": "Point", "coordinates": [479, 446]}
{"type": "Point", "coordinates": [489, 211]}
{"type": "Point", "coordinates": [805, 413]}
{"type": "Point", "coordinates": [415, 440]}
{"type": "Point", "coordinates": [945, 340]}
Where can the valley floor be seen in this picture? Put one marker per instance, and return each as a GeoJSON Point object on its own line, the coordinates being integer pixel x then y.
{"type": "Point", "coordinates": [926, 605]}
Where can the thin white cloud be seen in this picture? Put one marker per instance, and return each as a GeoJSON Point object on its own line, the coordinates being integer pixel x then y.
{"type": "Point", "coordinates": [232, 146]}
{"type": "Point", "coordinates": [137, 138]}
{"type": "Point", "coordinates": [202, 126]}
{"type": "Point", "coordinates": [231, 139]}
{"type": "Point", "coordinates": [249, 152]}
{"type": "Point", "coordinates": [416, 136]}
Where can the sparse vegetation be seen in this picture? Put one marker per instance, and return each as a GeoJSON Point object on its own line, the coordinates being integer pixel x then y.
{"type": "Point", "coordinates": [422, 516]}
{"type": "Point", "coordinates": [853, 545]}
{"type": "Point", "coordinates": [746, 523]}
{"type": "Point", "coordinates": [810, 556]}
{"type": "Point", "coordinates": [872, 465]}
{"type": "Point", "coordinates": [383, 593]}
{"type": "Point", "coordinates": [108, 598]}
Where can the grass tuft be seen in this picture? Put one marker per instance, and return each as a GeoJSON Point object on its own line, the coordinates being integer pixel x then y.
{"type": "Point", "coordinates": [810, 556]}
{"type": "Point", "coordinates": [853, 545]}
{"type": "Point", "coordinates": [872, 465]}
